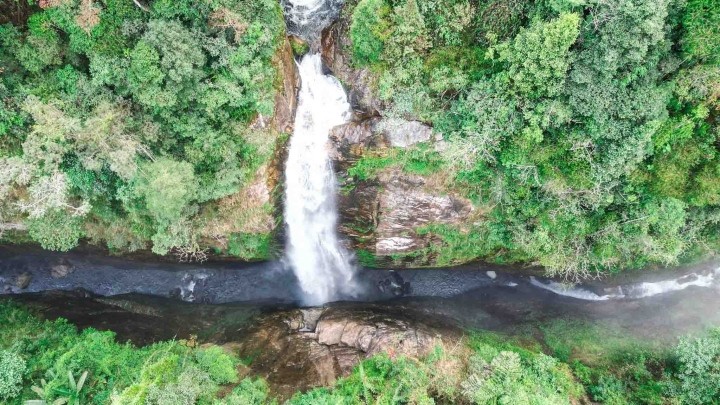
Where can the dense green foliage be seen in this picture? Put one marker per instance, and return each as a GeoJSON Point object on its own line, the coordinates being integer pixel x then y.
{"type": "Point", "coordinates": [125, 125]}
{"type": "Point", "coordinates": [493, 375]}
{"type": "Point", "coordinates": [47, 360]}
{"type": "Point", "coordinates": [12, 368]}
{"type": "Point", "coordinates": [587, 130]}
{"type": "Point", "coordinates": [597, 361]}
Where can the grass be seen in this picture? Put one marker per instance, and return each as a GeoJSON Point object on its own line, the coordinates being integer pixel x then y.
{"type": "Point", "coordinates": [420, 160]}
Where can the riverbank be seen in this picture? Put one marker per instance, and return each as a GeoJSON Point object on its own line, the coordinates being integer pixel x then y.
{"type": "Point", "coordinates": [621, 348]}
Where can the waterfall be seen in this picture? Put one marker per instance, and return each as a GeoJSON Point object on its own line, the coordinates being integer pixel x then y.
{"type": "Point", "coordinates": [323, 267]}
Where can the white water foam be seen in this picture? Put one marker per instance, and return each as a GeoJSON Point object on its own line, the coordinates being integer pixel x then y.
{"type": "Point", "coordinates": [634, 291]}
{"type": "Point", "coordinates": [649, 289]}
{"type": "Point", "coordinates": [322, 266]}
{"type": "Point", "coordinates": [570, 291]}
{"type": "Point", "coordinates": [307, 18]}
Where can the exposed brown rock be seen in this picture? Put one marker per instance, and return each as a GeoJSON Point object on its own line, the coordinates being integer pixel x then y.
{"type": "Point", "coordinates": [286, 99]}
{"type": "Point", "coordinates": [348, 142]}
{"type": "Point", "coordinates": [61, 269]}
{"type": "Point", "coordinates": [292, 354]}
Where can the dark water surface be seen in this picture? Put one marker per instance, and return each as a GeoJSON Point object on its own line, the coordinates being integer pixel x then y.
{"type": "Point", "coordinates": [147, 301]}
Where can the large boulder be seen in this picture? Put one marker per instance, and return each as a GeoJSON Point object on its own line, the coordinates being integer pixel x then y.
{"type": "Point", "coordinates": [302, 349]}
{"type": "Point", "coordinates": [401, 133]}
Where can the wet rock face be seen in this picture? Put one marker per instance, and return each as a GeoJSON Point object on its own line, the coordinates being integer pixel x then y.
{"type": "Point", "coordinates": [407, 203]}
{"type": "Point", "coordinates": [301, 349]}
{"type": "Point", "coordinates": [286, 99]}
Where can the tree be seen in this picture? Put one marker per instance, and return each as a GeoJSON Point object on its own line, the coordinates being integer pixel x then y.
{"type": "Point", "coordinates": [538, 57]}
{"type": "Point", "coordinates": [369, 31]}
{"type": "Point", "coordinates": [56, 230]}
{"type": "Point", "coordinates": [701, 38]}
{"type": "Point", "coordinates": [167, 188]}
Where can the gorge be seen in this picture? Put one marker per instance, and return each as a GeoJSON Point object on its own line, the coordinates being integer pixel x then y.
{"type": "Point", "coordinates": [251, 202]}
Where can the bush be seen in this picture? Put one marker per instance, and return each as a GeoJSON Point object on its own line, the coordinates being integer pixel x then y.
{"type": "Point", "coordinates": [248, 392]}
{"type": "Point", "coordinates": [250, 246]}
{"type": "Point", "coordinates": [218, 364]}
{"type": "Point", "coordinates": [56, 230]}
{"type": "Point", "coordinates": [192, 385]}
{"type": "Point", "coordinates": [12, 369]}
{"type": "Point", "coordinates": [698, 376]}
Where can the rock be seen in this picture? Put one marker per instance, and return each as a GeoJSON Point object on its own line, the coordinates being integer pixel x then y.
{"type": "Point", "coordinates": [286, 99]}
{"type": "Point", "coordinates": [293, 358]}
{"type": "Point", "coordinates": [299, 46]}
{"type": "Point", "coordinates": [405, 204]}
{"type": "Point", "coordinates": [382, 215]}
{"type": "Point", "coordinates": [402, 133]}
{"type": "Point", "coordinates": [372, 333]}
{"type": "Point", "coordinates": [348, 142]}
{"type": "Point", "coordinates": [22, 281]}
{"type": "Point", "coordinates": [61, 269]}
{"type": "Point", "coordinates": [335, 48]}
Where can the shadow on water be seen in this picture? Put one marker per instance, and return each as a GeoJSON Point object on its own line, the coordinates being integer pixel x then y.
{"type": "Point", "coordinates": [148, 301]}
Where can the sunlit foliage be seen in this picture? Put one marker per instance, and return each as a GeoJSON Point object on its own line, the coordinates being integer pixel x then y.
{"type": "Point", "coordinates": [119, 118]}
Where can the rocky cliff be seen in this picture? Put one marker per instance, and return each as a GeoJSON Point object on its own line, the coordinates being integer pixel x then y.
{"type": "Point", "coordinates": [385, 215]}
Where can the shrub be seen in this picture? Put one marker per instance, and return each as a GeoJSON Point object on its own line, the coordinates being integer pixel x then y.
{"type": "Point", "coordinates": [698, 376]}
{"type": "Point", "coordinates": [192, 385]}
{"type": "Point", "coordinates": [218, 364]}
{"type": "Point", "coordinates": [12, 368]}
{"type": "Point", "coordinates": [250, 246]}
{"type": "Point", "coordinates": [248, 392]}
{"type": "Point", "coordinates": [56, 230]}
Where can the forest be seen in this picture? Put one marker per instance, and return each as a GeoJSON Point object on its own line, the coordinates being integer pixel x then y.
{"type": "Point", "coordinates": [584, 136]}
{"type": "Point", "coordinates": [587, 131]}
{"type": "Point", "coordinates": [127, 126]}
{"type": "Point", "coordinates": [53, 361]}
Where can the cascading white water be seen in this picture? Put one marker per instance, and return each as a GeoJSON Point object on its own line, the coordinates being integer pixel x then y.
{"type": "Point", "coordinates": [307, 18]}
{"type": "Point", "coordinates": [323, 267]}
{"type": "Point", "coordinates": [646, 289]}
{"type": "Point", "coordinates": [569, 291]}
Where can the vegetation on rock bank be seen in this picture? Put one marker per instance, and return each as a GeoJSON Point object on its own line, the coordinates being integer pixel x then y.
{"type": "Point", "coordinates": [131, 126]}
{"type": "Point", "coordinates": [53, 360]}
{"type": "Point", "coordinates": [588, 131]}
